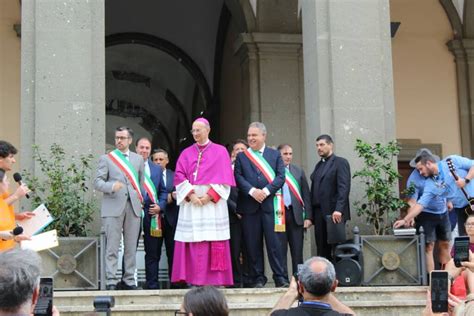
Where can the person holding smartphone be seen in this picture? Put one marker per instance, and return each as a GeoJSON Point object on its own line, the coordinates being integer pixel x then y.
{"type": "Point", "coordinates": [316, 282]}
{"type": "Point", "coordinates": [20, 270]}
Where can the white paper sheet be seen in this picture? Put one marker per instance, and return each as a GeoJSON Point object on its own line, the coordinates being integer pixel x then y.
{"type": "Point", "coordinates": [37, 223]}
{"type": "Point", "coordinates": [41, 241]}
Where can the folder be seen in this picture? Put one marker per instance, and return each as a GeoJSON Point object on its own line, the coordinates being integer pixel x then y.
{"type": "Point", "coordinates": [37, 223]}
{"type": "Point", "coordinates": [336, 232]}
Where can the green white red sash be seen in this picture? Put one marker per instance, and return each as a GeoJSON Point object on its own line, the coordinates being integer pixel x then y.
{"type": "Point", "coordinates": [278, 204]}
{"type": "Point", "coordinates": [294, 186]}
{"type": "Point", "coordinates": [123, 164]}
{"type": "Point", "coordinates": [155, 223]}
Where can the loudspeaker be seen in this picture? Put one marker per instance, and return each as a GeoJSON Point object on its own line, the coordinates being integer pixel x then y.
{"type": "Point", "coordinates": [348, 268]}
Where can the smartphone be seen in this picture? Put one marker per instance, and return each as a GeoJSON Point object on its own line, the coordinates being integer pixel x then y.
{"type": "Point", "coordinates": [44, 306]}
{"type": "Point", "coordinates": [461, 250]}
{"type": "Point", "coordinates": [439, 291]}
{"type": "Point", "coordinates": [299, 268]}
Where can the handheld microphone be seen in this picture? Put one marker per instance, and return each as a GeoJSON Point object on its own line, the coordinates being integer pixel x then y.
{"type": "Point", "coordinates": [17, 231]}
{"type": "Point", "coordinates": [17, 178]}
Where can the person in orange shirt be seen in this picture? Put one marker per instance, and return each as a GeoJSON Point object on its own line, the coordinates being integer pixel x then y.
{"type": "Point", "coordinates": [7, 217]}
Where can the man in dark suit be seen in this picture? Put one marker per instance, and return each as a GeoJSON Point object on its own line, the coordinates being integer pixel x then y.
{"type": "Point", "coordinates": [255, 202]}
{"type": "Point", "coordinates": [297, 200]}
{"type": "Point", "coordinates": [152, 243]}
{"type": "Point", "coordinates": [330, 188]}
{"type": "Point", "coordinates": [160, 157]}
{"type": "Point", "coordinates": [236, 246]}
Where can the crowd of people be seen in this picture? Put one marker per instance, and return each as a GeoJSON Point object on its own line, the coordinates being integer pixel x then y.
{"type": "Point", "coordinates": [215, 210]}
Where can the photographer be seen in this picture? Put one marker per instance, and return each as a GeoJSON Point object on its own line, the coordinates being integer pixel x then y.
{"type": "Point", "coordinates": [317, 280]}
{"type": "Point", "coordinates": [19, 282]}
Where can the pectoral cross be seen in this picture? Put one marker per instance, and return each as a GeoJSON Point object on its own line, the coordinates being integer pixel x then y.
{"type": "Point", "coordinates": [195, 173]}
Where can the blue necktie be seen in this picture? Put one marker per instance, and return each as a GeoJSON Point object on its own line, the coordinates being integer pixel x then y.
{"type": "Point", "coordinates": [286, 195]}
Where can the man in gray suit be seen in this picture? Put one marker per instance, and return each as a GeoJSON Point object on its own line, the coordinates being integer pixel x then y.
{"type": "Point", "coordinates": [120, 178]}
{"type": "Point", "coordinates": [298, 214]}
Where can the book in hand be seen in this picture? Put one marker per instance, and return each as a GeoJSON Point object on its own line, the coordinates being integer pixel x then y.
{"type": "Point", "coordinates": [336, 232]}
{"type": "Point", "coordinates": [404, 231]}
{"type": "Point", "coordinates": [37, 223]}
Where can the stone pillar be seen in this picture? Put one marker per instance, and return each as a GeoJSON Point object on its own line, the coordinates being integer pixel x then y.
{"type": "Point", "coordinates": [271, 84]}
{"type": "Point", "coordinates": [457, 48]}
{"type": "Point", "coordinates": [63, 77]}
{"type": "Point", "coordinates": [348, 77]}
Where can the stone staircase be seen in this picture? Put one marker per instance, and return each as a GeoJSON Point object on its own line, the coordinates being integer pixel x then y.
{"type": "Point", "coordinates": [402, 300]}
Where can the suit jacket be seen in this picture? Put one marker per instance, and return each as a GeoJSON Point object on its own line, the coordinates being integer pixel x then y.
{"type": "Point", "coordinates": [107, 174]}
{"type": "Point", "coordinates": [248, 176]}
{"type": "Point", "coordinates": [300, 177]}
{"type": "Point", "coordinates": [156, 176]}
{"type": "Point", "coordinates": [172, 210]}
{"type": "Point", "coordinates": [334, 187]}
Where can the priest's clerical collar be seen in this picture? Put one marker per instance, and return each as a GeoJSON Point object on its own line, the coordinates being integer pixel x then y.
{"type": "Point", "coordinates": [205, 143]}
{"type": "Point", "coordinates": [324, 159]}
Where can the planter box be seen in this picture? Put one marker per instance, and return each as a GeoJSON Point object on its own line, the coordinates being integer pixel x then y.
{"type": "Point", "coordinates": [393, 260]}
{"type": "Point", "coordinates": [74, 264]}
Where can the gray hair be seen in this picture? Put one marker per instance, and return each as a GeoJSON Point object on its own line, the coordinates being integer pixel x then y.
{"type": "Point", "coordinates": [260, 126]}
{"type": "Point", "coordinates": [19, 276]}
{"type": "Point", "coordinates": [317, 283]}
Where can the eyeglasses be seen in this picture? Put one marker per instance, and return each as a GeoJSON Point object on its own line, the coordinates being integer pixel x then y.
{"type": "Point", "coordinates": [195, 130]}
{"type": "Point", "coordinates": [121, 138]}
{"type": "Point", "coordinates": [469, 225]}
{"type": "Point", "coordinates": [178, 312]}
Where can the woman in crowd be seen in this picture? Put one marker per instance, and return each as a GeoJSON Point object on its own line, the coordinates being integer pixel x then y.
{"type": "Point", "coordinates": [204, 301]}
{"type": "Point", "coordinates": [7, 217]}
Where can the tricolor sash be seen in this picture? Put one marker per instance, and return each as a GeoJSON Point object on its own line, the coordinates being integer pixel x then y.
{"type": "Point", "coordinates": [294, 186]}
{"type": "Point", "coordinates": [278, 204]}
{"type": "Point", "coordinates": [155, 224]}
{"type": "Point", "coordinates": [123, 164]}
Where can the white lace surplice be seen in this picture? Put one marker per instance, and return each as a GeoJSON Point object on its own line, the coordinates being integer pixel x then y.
{"type": "Point", "coordinates": [209, 222]}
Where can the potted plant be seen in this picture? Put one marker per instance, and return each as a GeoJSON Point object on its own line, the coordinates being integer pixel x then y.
{"type": "Point", "coordinates": [381, 203]}
{"type": "Point", "coordinates": [387, 260]}
{"type": "Point", "coordinates": [61, 183]}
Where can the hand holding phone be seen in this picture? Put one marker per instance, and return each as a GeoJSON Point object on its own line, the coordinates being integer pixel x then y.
{"type": "Point", "coordinates": [44, 306]}
{"type": "Point", "coordinates": [439, 291]}
{"type": "Point", "coordinates": [461, 250]}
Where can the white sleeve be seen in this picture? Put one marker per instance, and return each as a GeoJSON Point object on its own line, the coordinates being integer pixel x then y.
{"type": "Point", "coordinates": [182, 191]}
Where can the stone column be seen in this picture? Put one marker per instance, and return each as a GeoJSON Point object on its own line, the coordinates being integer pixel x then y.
{"type": "Point", "coordinates": [271, 84]}
{"type": "Point", "coordinates": [63, 77]}
{"type": "Point", "coordinates": [348, 76]}
{"type": "Point", "coordinates": [457, 48]}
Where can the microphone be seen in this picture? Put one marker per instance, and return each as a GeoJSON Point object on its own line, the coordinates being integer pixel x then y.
{"type": "Point", "coordinates": [17, 231]}
{"type": "Point", "coordinates": [17, 178]}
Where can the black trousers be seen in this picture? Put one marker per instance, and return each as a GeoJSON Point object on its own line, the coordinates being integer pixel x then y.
{"type": "Point", "coordinates": [293, 236]}
{"type": "Point", "coordinates": [462, 217]}
{"type": "Point", "coordinates": [152, 254]}
{"type": "Point", "coordinates": [320, 230]}
{"type": "Point", "coordinates": [255, 226]}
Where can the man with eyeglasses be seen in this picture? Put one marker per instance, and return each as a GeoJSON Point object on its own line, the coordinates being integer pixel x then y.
{"type": "Point", "coordinates": [120, 178]}
{"type": "Point", "coordinates": [442, 183]}
{"type": "Point", "coordinates": [203, 179]}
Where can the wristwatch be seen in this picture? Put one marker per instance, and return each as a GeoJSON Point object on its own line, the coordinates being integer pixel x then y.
{"type": "Point", "coordinates": [467, 180]}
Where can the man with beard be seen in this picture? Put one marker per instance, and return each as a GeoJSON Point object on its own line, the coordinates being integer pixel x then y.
{"type": "Point", "coordinates": [330, 188]}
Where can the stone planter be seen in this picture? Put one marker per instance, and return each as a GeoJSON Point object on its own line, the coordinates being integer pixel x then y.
{"type": "Point", "coordinates": [74, 264]}
{"type": "Point", "coordinates": [393, 260]}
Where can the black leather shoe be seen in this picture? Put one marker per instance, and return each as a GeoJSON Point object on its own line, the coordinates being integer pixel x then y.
{"type": "Point", "coordinates": [259, 285]}
{"type": "Point", "coordinates": [125, 287]}
{"type": "Point", "coordinates": [111, 287]}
